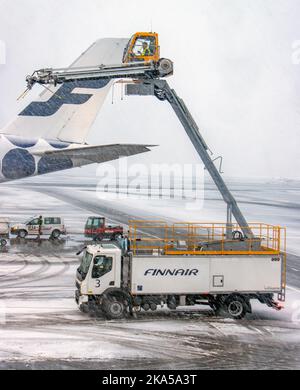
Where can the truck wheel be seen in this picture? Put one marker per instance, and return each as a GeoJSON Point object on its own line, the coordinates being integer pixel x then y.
{"type": "Point", "coordinates": [3, 242]}
{"type": "Point", "coordinates": [146, 306]}
{"type": "Point", "coordinates": [55, 234]}
{"type": "Point", "coordinates": [113, 308]}
{"type": "Point", "coordinates": [84, 308]}
{"type": "Point", "coordinates": [22, 234]}
{"type": "Point", "coordinates": [236, 307]}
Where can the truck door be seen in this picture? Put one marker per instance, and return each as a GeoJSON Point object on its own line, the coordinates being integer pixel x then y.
{"type": "Point", "coordinates": [47, 226]}
{"type": "Point", "coordinates": [33, 226]}
{"type": "Point", "coordinates": [102, 275]}
{"type": "Point", "coordinates": [98, 226]}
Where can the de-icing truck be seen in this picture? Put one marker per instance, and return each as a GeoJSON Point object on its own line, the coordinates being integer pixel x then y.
{"type": "Point", "coordinates": [184, 265]}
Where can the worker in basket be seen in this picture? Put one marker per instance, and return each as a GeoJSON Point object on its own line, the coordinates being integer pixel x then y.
{"type": "Point", "coordinates": [145, 50]}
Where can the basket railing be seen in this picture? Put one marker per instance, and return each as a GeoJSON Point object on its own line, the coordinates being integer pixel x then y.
{"type": "Point", "coordinates": [204, 238]}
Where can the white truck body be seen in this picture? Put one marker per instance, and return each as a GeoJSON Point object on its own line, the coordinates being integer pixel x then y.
{"type": "Point", "coordinates": [181, 275]}
{"type": "Point", "coordinates": [112, 280]}
{"type": "Point", "coordinates": [205, 274]}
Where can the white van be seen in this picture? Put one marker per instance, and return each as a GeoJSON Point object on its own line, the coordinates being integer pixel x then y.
{"type": "Point", "coordinates": [51, 226]}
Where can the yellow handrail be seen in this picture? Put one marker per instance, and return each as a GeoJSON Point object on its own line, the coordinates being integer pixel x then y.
{"type": "Point", "coordinates": [204, 238]}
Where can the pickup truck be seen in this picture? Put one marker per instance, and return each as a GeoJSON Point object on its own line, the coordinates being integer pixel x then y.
{"type": "Point", "coordinates": [97, 229]}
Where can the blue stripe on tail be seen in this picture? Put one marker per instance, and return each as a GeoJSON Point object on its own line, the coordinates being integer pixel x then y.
{"type": "Point", "coordinates": [63, 96]}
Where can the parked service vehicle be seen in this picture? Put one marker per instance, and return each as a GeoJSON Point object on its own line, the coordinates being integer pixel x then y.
{"type": "Point", "coordinates": [96, 228]}
{"type": "Point", "coordinates": [225, 279]}
{"type": "Point", "coordinates": [4, 231]}
{"type": "Point", "coordinates": [51, 226]}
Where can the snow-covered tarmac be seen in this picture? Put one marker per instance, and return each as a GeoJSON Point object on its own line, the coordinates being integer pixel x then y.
{"type": "Point", "coordinates": [41, 327]}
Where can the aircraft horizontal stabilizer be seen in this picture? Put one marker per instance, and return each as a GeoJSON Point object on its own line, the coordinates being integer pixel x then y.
{"type": "Point", "coordinates": [84, 155]}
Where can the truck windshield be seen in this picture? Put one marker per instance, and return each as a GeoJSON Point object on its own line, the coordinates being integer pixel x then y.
{"type": "Point", "coordinates": [102, 265]}
{"type": "Point", "coordinates": [28, 221]}
{"type": "Point", "coordinates": [89, 223]}
{"type": "Point", "coordinates": [33, 222]}
{"type": "Point", "coordinates": [85, 263]}
{"type": "Point", "coordinates": [144, 46]}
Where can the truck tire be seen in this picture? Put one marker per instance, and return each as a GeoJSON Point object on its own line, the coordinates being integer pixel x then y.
{"type": "Point", "coordinates": [236, 307]}
{"type": "Point", "coordinates": [113, 308]}
{"type": "Point", "coordinates": [55, 234]}
{"type": "Point", "coordinates": [3, 242]}
{"type": "Point", "coordinates": [22, 233]}
{"type": "Point", "coordinates": [146, 306]}
{"type": "Point", "coordinates": [84, 308]}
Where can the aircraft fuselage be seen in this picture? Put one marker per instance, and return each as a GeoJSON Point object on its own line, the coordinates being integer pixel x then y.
{"type": "Point", "coordinates": [22, 157]}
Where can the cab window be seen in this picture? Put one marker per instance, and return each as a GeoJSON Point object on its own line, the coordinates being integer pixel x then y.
{"type": "Point", "coordinates": [98, 222]}
{"type": "Point", "coordinates": [33, 222]}
{"type": "Point", "coordinates": [89, 223]}
{"type": "Point", "coordinates": [52, 221]}
{"type": "Point", "coordinates": [94, 223]}
{"type": "Point", "coordinates": [85, 263]}
{"type": "Point", "coordinates": [102, 265]}
{"type": "Point", "coordinates": [144, 47]}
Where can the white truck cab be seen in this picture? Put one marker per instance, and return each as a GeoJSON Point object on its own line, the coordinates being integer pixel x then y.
{"type": "Point", "coordinates": [98, 280]}
{"type": "Point", "coordinates": [100, 269]}
{"type": "Point", "coordinates": [51, 225]}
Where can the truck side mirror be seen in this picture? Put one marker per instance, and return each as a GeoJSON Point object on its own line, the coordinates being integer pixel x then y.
{"type": "Point", "coordinates": [81, 250]}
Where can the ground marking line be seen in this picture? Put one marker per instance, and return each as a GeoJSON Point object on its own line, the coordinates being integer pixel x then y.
{"type": "Point", "coordinates": [293, 289]}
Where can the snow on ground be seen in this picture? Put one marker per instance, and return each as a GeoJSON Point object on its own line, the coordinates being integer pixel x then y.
{"type": "Point", "coordinates": [41, 327]}
{"type": "Point", "coordinates": [269, 201]}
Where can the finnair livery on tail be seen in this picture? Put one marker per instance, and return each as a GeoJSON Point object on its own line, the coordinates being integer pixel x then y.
{"type": "Point", "coordinates": [50, 134]}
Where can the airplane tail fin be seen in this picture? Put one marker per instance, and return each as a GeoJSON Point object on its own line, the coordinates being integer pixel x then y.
{"type": "Point", "coordinates": [69, 110]}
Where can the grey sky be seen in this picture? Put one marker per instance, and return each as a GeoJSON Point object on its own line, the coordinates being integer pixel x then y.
{"type": "Point", "coordinates": [233, 67]}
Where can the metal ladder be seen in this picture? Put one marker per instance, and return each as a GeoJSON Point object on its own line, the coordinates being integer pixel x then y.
{"type": "Point", "coordinates": [162, 90]}
{"type": "Point", "coordinates": [136, 70]}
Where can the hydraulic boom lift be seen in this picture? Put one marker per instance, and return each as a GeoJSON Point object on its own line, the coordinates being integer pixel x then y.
{"type": "Point", "coordinates": [141, 62]}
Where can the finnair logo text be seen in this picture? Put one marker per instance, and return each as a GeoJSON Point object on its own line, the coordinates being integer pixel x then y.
{"type": "Point", "coordinates": [171, 272]}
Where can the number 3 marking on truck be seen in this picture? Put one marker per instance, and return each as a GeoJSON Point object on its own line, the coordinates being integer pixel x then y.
{"type": "Point", "coordinates": [97, 283]}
